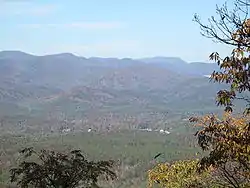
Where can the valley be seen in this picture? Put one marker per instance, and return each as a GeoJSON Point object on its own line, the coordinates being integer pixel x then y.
{"type": "Point", "coordinates": [135, 108]}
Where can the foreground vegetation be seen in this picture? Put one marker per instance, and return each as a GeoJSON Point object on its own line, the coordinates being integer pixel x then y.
{"type": "Point", "coordinates": [133, 152]}
{"type": "Point", "coordinates": [226, 139]}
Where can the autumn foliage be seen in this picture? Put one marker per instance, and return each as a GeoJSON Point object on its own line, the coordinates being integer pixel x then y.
{"type": "Point", "coordinates": [227, 140]}
{"type": "Point", "coordinates": [224, 140]}
{"type": "Point", "coordinates": [179, 174]}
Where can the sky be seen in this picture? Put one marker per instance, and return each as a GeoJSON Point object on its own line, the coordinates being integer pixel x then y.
{"type": "Point", "coordinates": [108, 28]}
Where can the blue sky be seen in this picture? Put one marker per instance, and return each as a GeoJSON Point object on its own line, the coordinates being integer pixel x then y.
{"type": "Point", "coordinates": [108, 28]}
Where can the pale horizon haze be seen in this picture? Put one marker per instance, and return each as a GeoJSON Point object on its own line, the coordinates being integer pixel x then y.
{"type": "Point", "coordinates": [110, 28]}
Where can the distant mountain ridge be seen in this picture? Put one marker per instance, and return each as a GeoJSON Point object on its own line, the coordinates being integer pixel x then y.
{"type": "Point", "coordinates": [23, 75]}
{"type": "Point", "coordinates": [38, 87]}
{"type": "Point", "coordinates": [178, 65]}
{"type": "Point", "coordinates": [171, 63]}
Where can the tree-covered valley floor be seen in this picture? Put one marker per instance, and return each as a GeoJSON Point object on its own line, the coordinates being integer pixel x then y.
{"type": "Point", "coordinates": [132, 150]}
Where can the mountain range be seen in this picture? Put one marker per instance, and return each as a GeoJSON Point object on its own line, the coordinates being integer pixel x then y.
{"type": "Point", "coordinates": [36, 86]}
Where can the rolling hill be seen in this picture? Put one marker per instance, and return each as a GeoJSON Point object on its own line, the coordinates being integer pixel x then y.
{"type": "Point", "coordinates": [40, 88]}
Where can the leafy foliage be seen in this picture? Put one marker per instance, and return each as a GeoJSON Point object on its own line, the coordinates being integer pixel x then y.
{"type": "Point", "coordinates": [56, 170]}
{"type": "Point", "coordinates": [227, 141]}
{"type": "Point", "coordinates": [180, 174]}
{"type": "Point", "coordinates": [232, 28]}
